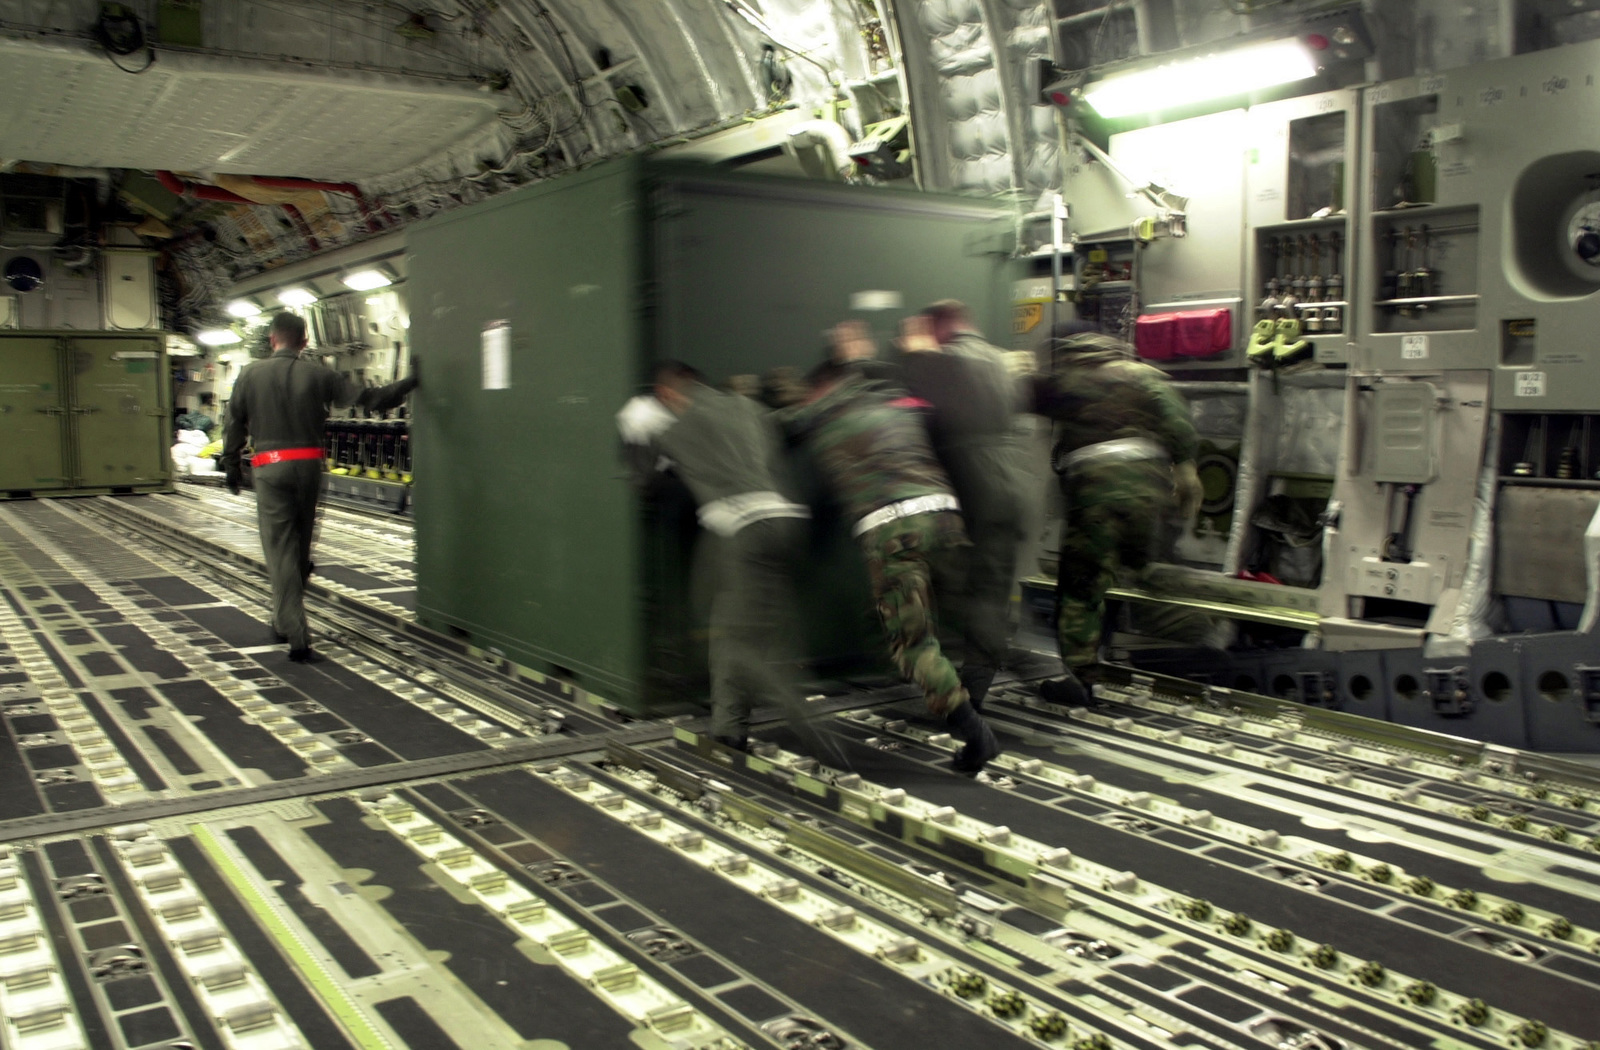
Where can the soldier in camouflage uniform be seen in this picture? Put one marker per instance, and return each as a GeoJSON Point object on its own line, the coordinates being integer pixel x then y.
{"type": "Point", "coordinates": [972, 400]}
{"type": "Point", "coordinates": [875, 456]}
{"type": "Point", "coordinates": [1124, 451]}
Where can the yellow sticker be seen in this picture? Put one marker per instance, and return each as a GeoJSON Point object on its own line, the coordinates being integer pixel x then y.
{"type": "Point", "coordinates": [1025, 317]}
{"type": "Point", "coordinates": [1098, 255]}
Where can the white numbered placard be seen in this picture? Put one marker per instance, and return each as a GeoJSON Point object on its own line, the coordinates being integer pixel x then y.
{"type": "Point", "coordinates": [1530, 384]}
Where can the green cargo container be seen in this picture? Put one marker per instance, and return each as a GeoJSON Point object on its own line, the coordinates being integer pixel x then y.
{"type": "Point", "coordinates": [539, 313]}
{"type": "Point", "coordinates": [83, 413]}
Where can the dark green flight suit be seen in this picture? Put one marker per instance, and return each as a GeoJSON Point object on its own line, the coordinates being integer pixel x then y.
{"type": "Point", "coordinates": [1120, 427]}
{"type": "Point", "coordinates": [726, 450]}
{"type": "Point", "coordinates": [973, 424]}
{"type": "Point", "coordinates": [281, 403]}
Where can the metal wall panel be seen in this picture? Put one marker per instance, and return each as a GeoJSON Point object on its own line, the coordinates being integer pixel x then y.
{"type": "Point", "coordinates": [750, 271]}
{"type": "Point", "coordinates": [1504, 159]}
{"type": "Point", "coordinates": [130, 290]}
{"type": "Point", "coordinates": [527, 538]}
{"type": "Point", "coordinates": [33, 415]}
{"type": "Point", "coordinates": [122, 411]}
{"type": "Point", "coordinates": [1539, 543]}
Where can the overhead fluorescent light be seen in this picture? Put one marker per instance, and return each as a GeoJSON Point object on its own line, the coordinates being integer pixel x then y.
{"type": "Point", "coordinates": [244, 309]}
{"type": "Point", "coordinates": [218, 337]}
{"type": "Point", "coordinates": [296, 297]}
{"type": "Point", "coordinates": [1202, 79]}
{"type": "Point", "coordinates": [366, 280]}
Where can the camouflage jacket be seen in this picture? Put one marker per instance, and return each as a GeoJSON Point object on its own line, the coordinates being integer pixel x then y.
{"type": "Point", "coordinates": [1097, 394]}
{"type": "Point", "coordinates": [870, 452]}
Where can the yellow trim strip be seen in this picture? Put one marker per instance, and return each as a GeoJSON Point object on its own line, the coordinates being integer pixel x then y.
{"type": "Point", "coordinates": [348, 1014]}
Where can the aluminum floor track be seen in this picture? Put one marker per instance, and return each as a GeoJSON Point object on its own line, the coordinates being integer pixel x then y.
{"type": "Point", "coordinates": [203, 845]}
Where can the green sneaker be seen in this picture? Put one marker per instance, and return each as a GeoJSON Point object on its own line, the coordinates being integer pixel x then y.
{"type": "Point", "coordinates": [1261, 343]}
{"type": "Point", "coordinates": [1289, 348]}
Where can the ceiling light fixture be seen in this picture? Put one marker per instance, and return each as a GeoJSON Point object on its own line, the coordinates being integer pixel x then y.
{"type": "Point", "coordinates": [218, 337]}
{"type": "Point", "coordinates": [243, 309]}
{"type": "Point", "coordinates": [1185, 83]}
{"type": "Point", "coordinates": [366, 280]}
{"type": "Point", "coordinates": [293, 297]}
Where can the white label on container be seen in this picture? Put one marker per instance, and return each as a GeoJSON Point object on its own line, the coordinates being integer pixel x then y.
{"type": "Point", "coordinates": [497, 355]}
{"type": "Point", "coordinates": [1414, 347]}
{"type": "Point", "coordinates": [876, 300]}
{"type": "Point", "coordinates": [1530, 384]}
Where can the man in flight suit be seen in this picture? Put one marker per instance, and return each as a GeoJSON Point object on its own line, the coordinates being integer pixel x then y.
{"type": "Point", "coordinates": [281, 404]}
{"type": "Point", "coordinates": [876, 458]}
{"type": "Point", "coordinates": [974, 433]}
{"type": "Point", "coordinates": [1125, 450]}
{"type": "Point", "coordinates": [726, 450]}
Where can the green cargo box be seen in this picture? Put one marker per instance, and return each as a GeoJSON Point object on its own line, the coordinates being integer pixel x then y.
{"type": "Point", "coordinates": [539, 313]}
{"type": "Point", "coordinates": [83, 413]}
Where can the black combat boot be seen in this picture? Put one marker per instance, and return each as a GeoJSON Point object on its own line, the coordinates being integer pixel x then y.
{"type": "Point", "coordinates": [307, 655]}
{"type": "Point", "coordinates": [980, 745]}
{"type": "Point", "coordinates": [1066, 692]}
{"type": "Point", "coordinates": [738, 743]}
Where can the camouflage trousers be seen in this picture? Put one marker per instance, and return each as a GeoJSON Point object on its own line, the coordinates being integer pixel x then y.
{"type": "Point", "coordinates": [1114, 521]}
{"type": "Point", "coordinates": [910, 561]}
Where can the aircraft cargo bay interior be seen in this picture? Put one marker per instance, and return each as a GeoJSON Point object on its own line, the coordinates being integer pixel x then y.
{"type": "Point", "coordinates": [804, 525]}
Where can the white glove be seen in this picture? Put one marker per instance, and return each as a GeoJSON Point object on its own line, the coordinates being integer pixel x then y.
{"type": "Point", "coordinates": [643, 419]}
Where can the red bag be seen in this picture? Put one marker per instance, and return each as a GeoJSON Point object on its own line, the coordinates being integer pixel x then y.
{"type": "Point", "coordinates": [1154, 336]}
{"type": "Point", "coordinates": [1187, 333]}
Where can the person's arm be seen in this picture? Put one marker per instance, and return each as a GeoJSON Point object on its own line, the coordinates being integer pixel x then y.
{"type": "Point", "coordinates": [236, 434]}
{"type": "Point", "coordinates": [643, 422]}
{"type": "Point", "coordinates": [1175, 429]}
{"type": "Point", "coordinates": [341, 391]}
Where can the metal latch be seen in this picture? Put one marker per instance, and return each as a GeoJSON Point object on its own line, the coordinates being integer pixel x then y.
{"type": "Point", "coordinates": [1317, 688]}
{"type": "Point", "coordinates": [1589, 691]}
{"type": "Point", "coordinates": [1450, 691]}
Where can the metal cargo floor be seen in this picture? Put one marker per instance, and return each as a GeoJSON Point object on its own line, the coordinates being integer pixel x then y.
{"type": "Point", "coordinates": [204, 845]}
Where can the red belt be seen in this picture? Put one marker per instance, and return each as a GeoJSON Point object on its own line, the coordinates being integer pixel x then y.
{"type": "Point", "coordinates": [284, 455]}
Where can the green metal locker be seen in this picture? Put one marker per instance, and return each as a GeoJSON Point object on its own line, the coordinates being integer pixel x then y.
{"type": "Point", "coordinates": [83, 413]}
{"type": "Point", "coordinates": [33, 415]}
{"type": "Point", "coordinates": [122, 409]}
{"type": "Point", "coordinates": [538, 313]}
